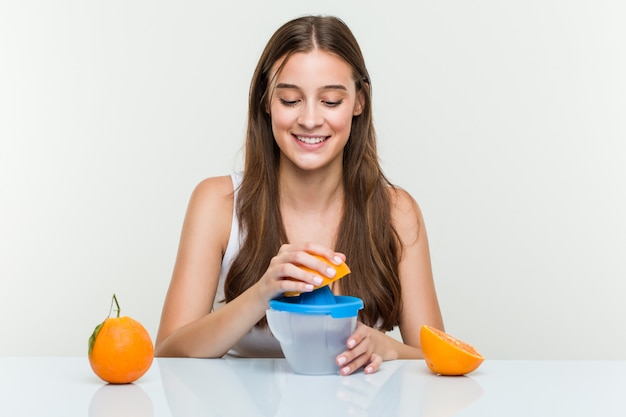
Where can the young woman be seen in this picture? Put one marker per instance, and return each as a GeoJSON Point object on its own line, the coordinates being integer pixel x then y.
{"type": "Point", "coordinates": [312, 184]}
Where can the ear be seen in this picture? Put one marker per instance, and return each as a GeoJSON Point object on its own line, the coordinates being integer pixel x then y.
{"type": "Point", "coordinates": [359, 105]}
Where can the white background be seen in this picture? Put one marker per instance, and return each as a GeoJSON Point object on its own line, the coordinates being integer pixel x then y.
{"type": "Point", "coordinates": [505, 120]}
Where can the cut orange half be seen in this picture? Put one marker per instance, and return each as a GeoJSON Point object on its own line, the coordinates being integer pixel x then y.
{"type": "Point", "coordinates": [446, 355]}
{"type": "Point", "coordinates": [341, 271]}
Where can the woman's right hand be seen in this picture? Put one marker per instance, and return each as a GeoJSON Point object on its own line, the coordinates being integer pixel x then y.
{"type": "Point", "coordinates": [285, 272]}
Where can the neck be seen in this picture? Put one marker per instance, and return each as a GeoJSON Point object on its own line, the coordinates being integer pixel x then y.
{"type": "Point", "coordinates": [306, 191]}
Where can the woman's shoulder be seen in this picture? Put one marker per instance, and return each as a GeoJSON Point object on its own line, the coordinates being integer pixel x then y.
{"type": "Point", "coordinates": [213, 194]}
{"type": "Point", "coordinates": [405, 212]}
{"type": "Point", "coordinates": [210, 210]}
{"type": "Point", "coordinates": [212, 187]}
{"type": "Point", "coordinates": [402, 201]}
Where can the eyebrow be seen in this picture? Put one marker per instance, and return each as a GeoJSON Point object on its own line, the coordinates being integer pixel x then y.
{"type": "Point", "coordinates": [326, 87]}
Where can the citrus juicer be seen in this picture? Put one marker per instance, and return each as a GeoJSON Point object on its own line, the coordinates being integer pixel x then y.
{"type": "Point", "coordinates": [313, 327]}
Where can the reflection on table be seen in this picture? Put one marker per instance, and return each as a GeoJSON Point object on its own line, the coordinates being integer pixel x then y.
{"type": "Point", "coordinates": [241, 387]}
{"type": "Point", "coordinates": [120, 401]}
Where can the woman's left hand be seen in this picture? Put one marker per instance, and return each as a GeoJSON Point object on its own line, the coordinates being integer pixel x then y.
{"type": "Point", "coordinates": [363, 351]}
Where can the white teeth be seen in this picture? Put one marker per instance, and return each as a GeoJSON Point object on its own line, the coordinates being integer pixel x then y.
{"type": "Point", "coordinates": [311, 141]}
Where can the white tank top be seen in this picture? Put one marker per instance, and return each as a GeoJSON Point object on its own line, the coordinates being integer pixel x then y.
{"type": "Point", "coordinates": [258, 342]}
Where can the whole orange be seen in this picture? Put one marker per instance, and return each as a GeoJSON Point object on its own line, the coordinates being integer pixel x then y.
{"type": "Point", "coordinates": [120, 349]}
{"type": "Point", "coordinates": [446, 355]}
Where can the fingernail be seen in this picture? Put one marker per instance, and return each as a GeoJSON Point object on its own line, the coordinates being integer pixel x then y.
{"type": "Point", "coordinates": [308, 287]}
{"type": "Point", "coordinates": [337, 260]}
{"type": "Point", "coordinates": [351, 343]}
{"type": "Point", "coordinates": [345, 370]}
{"type": "Point", "coordinates": [369, 370]}
{"type": "Point", "coordinates": [341, 360]}
{"type": "Point", "coordinates": [330, 272]}
{"type": "Point", "coordinates": [318, 280]}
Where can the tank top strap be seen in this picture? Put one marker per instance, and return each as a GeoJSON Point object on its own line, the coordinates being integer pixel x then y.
{"type": "Point", "coordinates": [234, 243]}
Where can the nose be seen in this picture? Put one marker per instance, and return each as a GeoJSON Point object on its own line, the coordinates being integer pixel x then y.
{"type": "Point", "coordinates": [310, 117]}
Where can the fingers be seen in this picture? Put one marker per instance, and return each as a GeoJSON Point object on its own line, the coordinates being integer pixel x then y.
{"type": "Point", "coordinates": [370, 364]}
{"type": "Point", "coordinates": [375, 362]}
{"type": "Point", "coordinates": [294, 269]}
{"type": "Point", "coordinates": [360, 353]}
{"type": "Point", "coordinates": [305, 258]}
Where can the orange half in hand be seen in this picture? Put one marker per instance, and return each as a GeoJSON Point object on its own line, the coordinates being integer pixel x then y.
{"type": "Point", "coordinates": [446, 355]}
{"type": "Point", "coordinates": [341, 271]}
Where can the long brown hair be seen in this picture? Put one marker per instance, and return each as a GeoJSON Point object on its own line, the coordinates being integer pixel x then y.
{"type": "Point", "coordinates": [366, 234]}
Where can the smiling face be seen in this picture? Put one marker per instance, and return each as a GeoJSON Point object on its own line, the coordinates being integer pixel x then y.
{"type": "Point", "coordinates": [312, 101]}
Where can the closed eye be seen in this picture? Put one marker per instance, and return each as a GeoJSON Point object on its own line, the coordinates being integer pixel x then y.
{"type": "Point", "coordinates": [289, 103]}
{"type": "Point", "coordinates": [333, 103]}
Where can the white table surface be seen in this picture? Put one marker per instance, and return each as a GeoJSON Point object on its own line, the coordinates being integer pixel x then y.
{"type": "Point", "coordinates": [66, 386]}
